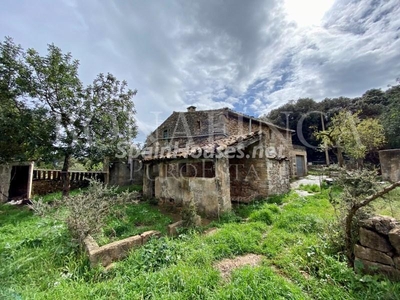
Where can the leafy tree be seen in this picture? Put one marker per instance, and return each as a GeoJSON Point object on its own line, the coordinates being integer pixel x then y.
{"type": "Point", "coordinates": [348, 134]}
{"type": "Point", "coordinates": [360, 189]}
{"type": "Point", "coordinates": [391, 117]}
{"type": "Point", "coordinates": [91, 120]}
{"type": "Point", "coordinates": [294, 112]}
{"type": "Point", "coordinates": [371, 104]}
{"type": "Point", "coordinates": [26, 131]}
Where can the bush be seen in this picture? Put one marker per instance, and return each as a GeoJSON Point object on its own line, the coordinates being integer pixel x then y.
{"type": "Point", "coordinates": [189, 214]}
{"type": "Point", "coordinates": [154, 255]}
{"type": "Point", "coordinates": [85, 213]}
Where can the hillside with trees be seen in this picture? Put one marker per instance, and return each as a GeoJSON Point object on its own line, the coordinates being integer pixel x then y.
{"type": "Point", "coordinates": [377, 110]}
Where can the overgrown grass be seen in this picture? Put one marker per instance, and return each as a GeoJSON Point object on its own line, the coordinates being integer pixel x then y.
{"type": "Point", "coordinates": [311, 188]}
{"type": "Point", "coordinates": [38, 260]}
{"type": "Point", "coordinates": [132, 219]}
{"type": "Point", "coordinates": [58, 195]}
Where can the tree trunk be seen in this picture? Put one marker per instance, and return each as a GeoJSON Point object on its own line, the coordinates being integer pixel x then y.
{"type": "Point", "coordinates": [349, 236]}
{"type": "Point", "coordinates": [360, 163]}
{"type": "Point", "coordinates": [340, 157]}
{"type": "Point", "coordinates": [65, 175]}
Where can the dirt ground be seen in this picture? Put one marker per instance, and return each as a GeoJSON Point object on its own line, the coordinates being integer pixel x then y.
{"type": "Point", "coordinates": [309, 179]}
{"type": "Point", "coordinates": [226, 266]}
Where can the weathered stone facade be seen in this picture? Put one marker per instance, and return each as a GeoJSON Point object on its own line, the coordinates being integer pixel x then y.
{"type": "Point", "coordinates": [390, 164]}
{"type": "Point", "coordinates": [215, 157]}
{"type": "Point", "coordinates": [122, 173]}
{"type": "Point", "coordinates": [15, 180]}
{"type": "Point", "coordinates": [211, 195]}
{"type": "Point", "coordinates": [378, 251]}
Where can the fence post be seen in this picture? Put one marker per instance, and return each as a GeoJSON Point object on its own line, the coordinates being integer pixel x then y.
{"type": "Point", "coordinates": [30, 179]}
{"type": "Point", "coordinates": [106, 169]}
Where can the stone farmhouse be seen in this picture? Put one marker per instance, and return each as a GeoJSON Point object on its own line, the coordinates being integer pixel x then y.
{"type": "Point", "coordinates": [216, 157]}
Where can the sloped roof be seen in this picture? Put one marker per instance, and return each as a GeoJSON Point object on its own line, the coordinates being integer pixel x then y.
{"type": "Point", "coordinates": [221, 147]}
{"type": "Point", "coordinates": [227, 110]}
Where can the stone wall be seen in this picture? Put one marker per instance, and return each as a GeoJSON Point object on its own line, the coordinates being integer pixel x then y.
{"type": "Point", "coordinates": [249, 175]}
{"type": "Point", "coordinates": [211, 195]}
{"type": "Point", "coordinates": [123, 173]}
{"type": "Point", "coordinates": [107, 254]}
{"type": "Point", "coordinates": [278, 176]}
{"type": "Point", "coordinates": [5, 178]}
{"type": "Point", "coordinates": [378, 251]}
{"type": "Point", "coordinates": [390, 164]}
{"type": "Point", "coordinates": [184, 127]}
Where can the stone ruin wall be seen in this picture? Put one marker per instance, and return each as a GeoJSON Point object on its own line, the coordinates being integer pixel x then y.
{"type": "Point", "coordinates": [5, 179]}
{"type": "Point", "coordinates": [390, 164]}
{"type": "Point", "coordinates": [378, 250]}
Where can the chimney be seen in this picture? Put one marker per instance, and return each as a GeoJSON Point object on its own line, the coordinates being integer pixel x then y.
{"type": "Point", "coordinates": [191, 108]}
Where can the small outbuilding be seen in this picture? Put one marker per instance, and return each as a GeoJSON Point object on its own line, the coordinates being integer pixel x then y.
{"type": "Point", "coordinates": [216, 157]}
{"type": "Point", "coordinates": [16, 181]}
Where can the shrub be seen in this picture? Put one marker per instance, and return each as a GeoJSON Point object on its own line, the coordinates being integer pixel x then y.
{"type": "Point", "coordinates": [189, 214]}
{"type": "Point", "coordinates": [154, 255]}
{"type": "Point", "coordinates": [85, 213]}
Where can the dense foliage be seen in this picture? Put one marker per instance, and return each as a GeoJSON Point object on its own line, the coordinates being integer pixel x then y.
{"type": "Point", "coordinates": [307, 116]}
{"type": "Point", "coordinates": [348, 134]}
{"type": "Point", "coordinates": [47, 112]}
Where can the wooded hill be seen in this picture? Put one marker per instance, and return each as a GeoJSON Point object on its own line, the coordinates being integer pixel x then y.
{"type": "Point", "coordinates": [375, 103]}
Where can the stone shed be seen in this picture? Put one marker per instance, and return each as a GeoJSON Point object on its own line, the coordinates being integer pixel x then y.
{"type": "Point", "coordinates": [390, 164]}
{"type": "Point", "coordinates": [15, 181]}
{"type": "Point", "coordinates": [215, 158]}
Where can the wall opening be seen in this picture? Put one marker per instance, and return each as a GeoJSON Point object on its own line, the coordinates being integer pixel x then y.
{"type": "Point", "coordinates": [300, 166]}
{"type": "Point", "coordinates": [197, 169]}
{"type": "Point", "coordinates": [19, 183]}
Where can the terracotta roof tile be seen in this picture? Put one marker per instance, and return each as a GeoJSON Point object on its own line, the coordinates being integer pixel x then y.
{"type": "Point", "coordinates": [228, 145]}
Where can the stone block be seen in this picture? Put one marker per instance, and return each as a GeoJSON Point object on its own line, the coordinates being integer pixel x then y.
{"type": "Point", "coordinates": [372, 255]}
{"type": "Point", "coordinates": [371, 239]}
{"type": "Point", "coordinates": [90, 244]}
{"type": "Point", "coordinates": [372, 268]}
{"type": "Point", "coordinates": [114, 251]}
{"type": "Point", "coordinates": [394, 238]}
{"type": "Point", "coordinates": [396, 261]}
{"type": "Point", "coordinates": [172, 228]}
{"type": "Point", "coordinates": [211, 231]}
{"type": "Point", "coordinates": [148, 235]}
{"type": "Point", "coordinates": [380, 224]}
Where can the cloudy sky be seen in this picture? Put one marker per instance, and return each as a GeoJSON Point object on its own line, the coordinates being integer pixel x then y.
{"type": "Point", "coordinates": [251, 55]}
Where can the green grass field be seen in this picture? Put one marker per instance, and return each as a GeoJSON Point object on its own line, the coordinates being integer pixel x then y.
{"type": "Point", "coordinates": [39, 261]}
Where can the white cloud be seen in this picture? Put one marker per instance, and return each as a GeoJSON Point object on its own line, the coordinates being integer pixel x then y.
{"type": "Point", "coordinates": [239, 54]}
